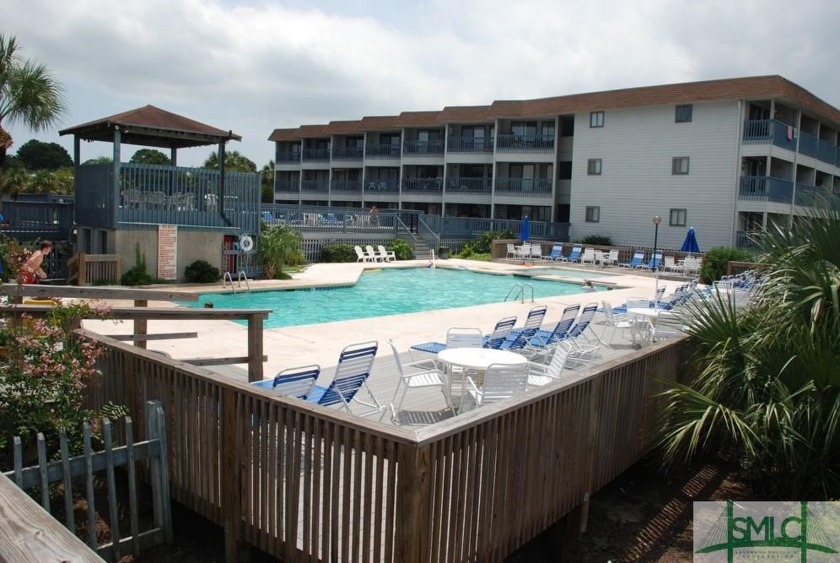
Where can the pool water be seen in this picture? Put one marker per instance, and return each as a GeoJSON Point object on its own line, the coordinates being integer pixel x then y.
{"type": "Point", "coordinates": [564, 273]}
{"type": "Point", "coordinates": [384, 292]}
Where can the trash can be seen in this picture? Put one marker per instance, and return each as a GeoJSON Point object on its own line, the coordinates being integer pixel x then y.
{"type": "Point", "coordinates": [443, 252]}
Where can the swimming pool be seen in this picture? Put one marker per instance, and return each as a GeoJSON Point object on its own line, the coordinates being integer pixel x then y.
{"type": "Point", "coordinates": [564, 273]}
{"type": "Point", "coordinates": [384, 292]}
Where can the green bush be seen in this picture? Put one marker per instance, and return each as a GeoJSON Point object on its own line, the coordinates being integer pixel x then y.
{"type": "Point", "coordinates": [716, 259]}
{"type": "Point", "coordinates": [402, 249]}
{"type": "Point", "coordinates": [137, 275]}
{"type": "Point", "coordinates": [598, 240]}
{"type": "Point", "coordinates": [482, 244]}
{"type": "Point", "coordinates": [202, 271]}
{"type": "Point", "coordinates": [338, 253]}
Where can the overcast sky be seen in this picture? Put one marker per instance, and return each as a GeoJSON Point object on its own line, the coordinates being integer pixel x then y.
{"type": "Point", "coordinates": [253, 66]}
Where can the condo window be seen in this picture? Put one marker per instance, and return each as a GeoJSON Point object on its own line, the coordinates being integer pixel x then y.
{"type": "Point", "coordinates": [593, 214]}
{"type": "Point", "coordinates": [593, 167]}
{"type": "Point", "coordinates": [678, 217]}
{"type": "Point", "coordinates": [684, 113]}
{"type": "Point", "coordinates": [679, 165]}
{"type": "Point", "coordinates": [596, 119]}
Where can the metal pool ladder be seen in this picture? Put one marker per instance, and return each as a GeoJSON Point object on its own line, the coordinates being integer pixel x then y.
{"type": "Point", "coordinates": [519, 290]}
{"type": "Point", "coordinates": [239, 277]}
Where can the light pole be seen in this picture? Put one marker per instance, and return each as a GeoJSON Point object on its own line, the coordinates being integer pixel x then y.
{"type": "Point", "coordinates": [656, 220]}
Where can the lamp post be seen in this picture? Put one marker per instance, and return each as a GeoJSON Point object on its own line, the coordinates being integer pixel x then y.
{"type": "Point", "coordinates": [656, 220]}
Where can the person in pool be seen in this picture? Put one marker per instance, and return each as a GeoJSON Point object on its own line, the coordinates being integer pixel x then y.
{"type": "Point", "coordinates": [588, 287]}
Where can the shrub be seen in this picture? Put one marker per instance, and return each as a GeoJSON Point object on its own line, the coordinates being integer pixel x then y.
{"type": "Point", "coordinates": [482, 244]}
{"type": "Point", "coordinates": [279, 245]}
{"type": "Point", "coordinates": [598, 240]}
{"type": "Point", "coordinates": [137, 275]}
{"type": "Point", "coordinates": [202, 271]}
{"type": "Point", "coordinates": [338, 253]}
{"type": "Point", "coordinates": [715, 261]}
{"type": "Point", "coordinates": [402, 249]}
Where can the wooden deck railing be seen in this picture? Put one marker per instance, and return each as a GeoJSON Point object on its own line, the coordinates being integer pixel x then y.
{"type": "Point", "coordinates": [306, 483]}
{"type": "Point", "coordinates": [86, 269]}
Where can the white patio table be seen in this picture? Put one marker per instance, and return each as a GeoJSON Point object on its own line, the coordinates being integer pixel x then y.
{"type": "Point", "coordinates": [641, 314]}
{"type": "Point", "coordinates": [474, 360]}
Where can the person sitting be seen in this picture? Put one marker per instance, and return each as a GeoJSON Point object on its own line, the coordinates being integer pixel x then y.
{"type": "Point", "coordinates": [31, 271]}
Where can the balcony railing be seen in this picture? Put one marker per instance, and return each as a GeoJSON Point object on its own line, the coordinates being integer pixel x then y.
{"type": "Point", "coordinates": [468, 185]}
{"type": "Point", "coordinates": [827, 150]}
{"type": "Point", "coordinates": [814, 196]}
{"type": "Point", "coordinates": [747, 239]}
{"type": "Point", "coordinates": [765, 188]}
{"type": "Point", "coordinates": [762, 131]}
{"type": "Point", "coordinates": [382, 150]}
{"type": "Point", "coordinates": [423, 148]}
{"type": "Point", "coordinates": [287, 186]}
{"type": "Point", "coordinates": [536, 143]}
{"type": "Point", "coordinates": [288, 157]}
{"type": "Point", "coordinates": [316, 155]}
{"type": "Point", "coordinates": [422, 185]}
{"type": "Point", "coordinates": [469, 144]}
{"type": "Point", "coordinates": [528, 187]}
{"type": "Point", "coordinates": [348, 153]}
{"type": "Point", "coordinates": [809, 145]}
{"type": "Point", "coordinates": [354, 186]}
{"type": "Point", "coordinates": [381, 186]}
{"type": "Point", "coordinates": [319, 186]}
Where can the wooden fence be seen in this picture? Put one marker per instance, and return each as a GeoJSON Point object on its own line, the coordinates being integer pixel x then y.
{"type": "Point", "coordinates": [305, 483]}
{"type": "Point", "coordinates": [86, 269]}
{"type": "Point", "coordinates": [67, 468]}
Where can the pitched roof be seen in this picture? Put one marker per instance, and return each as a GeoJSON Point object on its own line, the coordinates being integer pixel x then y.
{"type": "Point", "coordinates": [418, 119]}
{"type": "Point", "coordinates": [379, 123]}
{"type": "Point", "coordinates": [152, 126]}
{"type": "Point", "coordinates": [464, 114]}
{"type": "Point", "coordinates": [310, 131]}
{"type": "Point", "coordinates": [283, 134]}
{"type": "Point", "coordinates": [342, 127]}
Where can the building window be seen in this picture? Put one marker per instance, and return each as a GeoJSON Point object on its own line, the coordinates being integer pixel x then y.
{"type": "Point", "coordinates": [679, 165]}
{"type": "Point", "coordinates": [593, 167]}
{"type": "Point", "coordinates": [596, 119]}
{"type": "Point", "coordinates": [593, 214]}
{"type": "Point", "coordinates": [683, 113]}
{"type": "Point", "coordinates": [678, 218]}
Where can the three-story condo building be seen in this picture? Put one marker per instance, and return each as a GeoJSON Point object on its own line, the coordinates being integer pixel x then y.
{"type": "Point", "coordinates": [728, 157]}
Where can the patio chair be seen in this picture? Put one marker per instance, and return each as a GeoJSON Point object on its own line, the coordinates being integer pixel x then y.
{"type": "Point", "coordinates": [670, 265]}
{"type": "Point", "coordinates": [610, 259]}
{"type": "Point", "coordinates": [543, 374]}
{"type": "Point", "coordinates": [574, 255]}
{"type": "Point", "coordinates": [582, 347]}
{"type": "Point", "coordinates": [614, 321]}
{"type": "Point", "coordinates": [666, 325]}
{"type": "Point", "coordinates": [351, 374]}
{"type": "Point", "coordinates": [292, 382]}
{"type": "Point", "coordinates": [501, 381]}
{"type": "Point", "coordinates": [637, 260]}
{"type": "Point", "coordinates": [556, 252]}
{"type": "Point", "coordinates": [413, 375]}
{"type": "Point", "coordinates": [536, 252]}
{"type": "Point", "coordinates": [653, 263]}
{"type": "Point", "coordinates": [588, 256]}
{"type": "Point", "coordinates": [499, 333]}
{"type": "Point", "coordinates": [361, 256]}
{"type": "Point", "coordinates": [386, 255]}
{"type": "Point", "coordinates": [511, 251]}
{"type": "Point", "coordinates": [371, 253]}
{"type": "Point", "coordinates": [523, 251]}
{"type": "Point", "coordinates": [532, 322]}
{"type": "Point", "coordinates": [543, 341]}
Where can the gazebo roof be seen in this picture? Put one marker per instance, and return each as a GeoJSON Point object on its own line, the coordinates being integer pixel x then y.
{"type": "Point", "coordinates": [152, 127]}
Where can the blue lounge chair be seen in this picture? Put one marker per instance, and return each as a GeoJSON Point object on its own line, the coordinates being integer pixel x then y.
{"type": "Point", "coordinates": [544, 338]}
{"type": "Point", "coordinates": [292, 382]}
{"type": "Point", "coordinates": [500, 332]}
{"type": "Point", "coordinates": [654, 262]}
{"type": "Point", "coordinates": [581, 349]}
{"type": "Point", "coordinates": [637, 260]}
{"type": "Point", "coordinates": [574, 255]}
{"type": "Point", "coordinates": [351, 374]}
{"type": "Point", "coordinates": [556, 252]}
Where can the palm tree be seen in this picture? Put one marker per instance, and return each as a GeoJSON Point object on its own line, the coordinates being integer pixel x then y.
{"type": "Point", "coordinates": [28, 94]}
{"type": "Point", "coordinates": [767, 391]}
{"type": "Point", "coordinates": [267, 181]}
{"type": "Point", "coordinates": [234, 162]}
{"type": "Point", "coordinates": [277, 245]}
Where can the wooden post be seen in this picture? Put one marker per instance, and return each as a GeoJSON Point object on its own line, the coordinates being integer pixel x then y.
{"type": "Point", "coordinates": [82, 269]}
{"type": "Point", "coordinates": [231, 477]}
{"type": "Point", "coordinates": [255, 347]}
{"type": "Point", "coordinates": [412, 534]}
{"type": "Point", "coordinates": [162, 503]}
{"type": "Point", "coordinates": [141, 326]}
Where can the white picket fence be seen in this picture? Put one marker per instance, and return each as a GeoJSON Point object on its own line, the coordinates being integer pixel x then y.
{"type": "Point", "coordinates": [151, 451]}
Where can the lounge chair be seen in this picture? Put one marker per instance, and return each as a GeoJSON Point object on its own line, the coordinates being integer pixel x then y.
{"type": "Point", "coordinates": [653, 263]}
{"type": "Point", "coordinates": [556, 252]}
{"type": "Point", "coordinates": [670, 265]}
{"type": "Point", "coordinates": [413, 375]}
{"type": "Point", "coordinates": [501, 381]}
{"type": "Point", "coordinates": [614, 321]}
{"type": "Point", "coordinates": [523, 251]}
{"type": "Point", "coordinates": [543, 374]}
{"type": "Point", "coordinates": [532, 322]}
{"type": "Point", "coordinates": [536, 252]}
{"type": "Point", "coordinates": [354, 366]}
{"type": "Point", "coordinates": [292, 382]}
{"type": "Point", "coordinates": [361, 256]}
{"type": "Point", "coordinates": [371, 253]}
{"type": "Point", "coordinates": [543, 341]}
{"type": "Point", "coordinates": [637, 260]}
{"type": "Point", "coordinates": [574, 255]}
{"type": "Point", "coordinates": [499, 333]}
{"type": "Point", "coordinates": [581, 347]}
{"type": "Point", "coordinates": [588, 256]}
{"type": "Point", "coordinates": [386, 255]}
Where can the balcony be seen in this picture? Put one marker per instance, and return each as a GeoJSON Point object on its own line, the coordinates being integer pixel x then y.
{"type": "Point", "coordinates": [288, 157]}
{"type": "Point", "coordinates": [523, 187]}
{"type": "Point", "coordinates": [764, 131]}
{"type": "Point", "coordinates": [765, 188]}
{"type": "Point", "coordinates": [375, 187]}
{"type": "Point", "coordinates": [382, 150]}
{"type": "Point", "coordinates": [346, 186]}
{"type": "Point", "coordinates": [316, 155]}
{"type": "Point", "coordinates": [525, 143]}
{"type": "Point", "coordinates": [747, 239]}
{"type": "Point", "coordinates": [468, 185]}
{"type": "Point", "coordinates": [469, 145]}
{"type": "Point", "coordinates": [348, 153]}
{"type": "Point", "coordinates": [423, 148]}
{"type": "Point", "coordinates": [814, 196]}
{"type": "Point", "coordinates": [426, 185]}
{"type": "Point", "coordinates": [287, 186]}
{"type": "Point", "coordinates": [315, 186]}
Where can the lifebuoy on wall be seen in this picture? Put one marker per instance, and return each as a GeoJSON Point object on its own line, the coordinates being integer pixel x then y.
{"type": "Point", "coordinates": [246, 243]}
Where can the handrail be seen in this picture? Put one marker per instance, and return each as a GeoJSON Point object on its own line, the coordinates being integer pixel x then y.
{"type": "Point", "coordinates": [521, 287]}
{"type": "Point", "coordinates": [430, 237]}
{"type": "Point", "coordinates": [239, 277]}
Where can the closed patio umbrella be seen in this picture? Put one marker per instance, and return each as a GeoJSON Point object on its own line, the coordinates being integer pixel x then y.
{"type": "Point", "coordinates": [690, 243]}
{"type": "Point", "coordinates": [526, 229]}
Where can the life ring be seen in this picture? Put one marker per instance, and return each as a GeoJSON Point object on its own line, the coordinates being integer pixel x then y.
{"type": "Point", "coordinates": [246, 243]}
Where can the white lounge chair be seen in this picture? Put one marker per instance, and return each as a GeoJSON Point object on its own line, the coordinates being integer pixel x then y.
{"type": "Point", "coordinates": [501, 381]}
{"type": "Point", "coordinates": [371, 253]}
{"type": "Point", "coordinates": [361, 256]}
{"type": "Point", "coordinates": [413, 375]}
{"type": "Point", "coordinates": [386, 255]}
{"type": "Point", "coordinates": [543, 374]}
{"type": "Point", "coordinates": [292, 382]}
{"type": "Point", "coordinates": [588, 256]}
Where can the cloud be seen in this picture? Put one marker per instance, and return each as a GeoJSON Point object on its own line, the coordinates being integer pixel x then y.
{"type": "Point", "coordinates": [256, 66]}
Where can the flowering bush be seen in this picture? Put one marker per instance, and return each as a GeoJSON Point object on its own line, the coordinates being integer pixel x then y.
{"type": "Point", "coordinates": [45, 371]}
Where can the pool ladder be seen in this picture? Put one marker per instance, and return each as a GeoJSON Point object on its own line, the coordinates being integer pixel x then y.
{"type": "Point", "coordinates": [519, 290]}
{"type": "Point", "coordinates": [239, 277]}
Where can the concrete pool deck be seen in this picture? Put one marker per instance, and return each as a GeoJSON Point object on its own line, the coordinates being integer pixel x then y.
{"type": "Point", "coordinates": [321, 343]}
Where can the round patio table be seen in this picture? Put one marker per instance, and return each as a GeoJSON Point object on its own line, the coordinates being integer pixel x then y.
{"type": "Point", "coordinates": [477, 360]}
